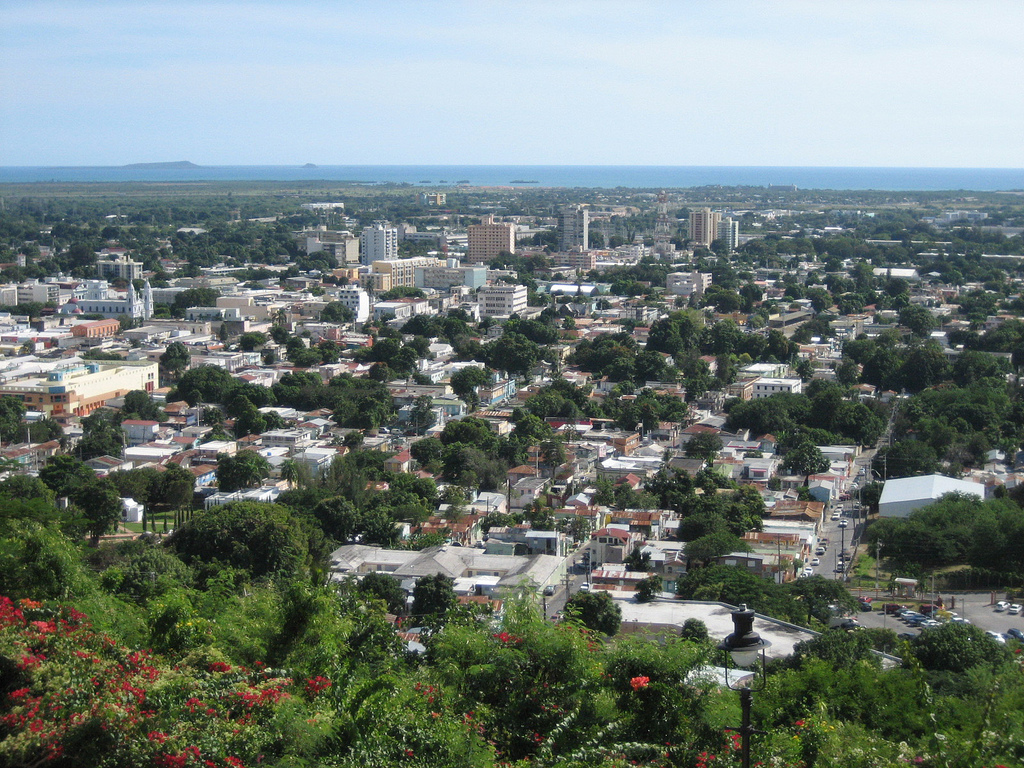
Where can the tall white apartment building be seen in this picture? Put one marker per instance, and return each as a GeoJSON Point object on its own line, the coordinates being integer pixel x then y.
{"type": "Point", "coordinates": [704, 226]}
{"type": "Point", "coordinates": [378, 243]}
{"type": "Point", "coordinates": [356, 299]}
{"type": "Point", "coordinates": [488, 239]}
{"type": "Point", "coordinates": [729, 233]}
{"type": "Point", "coordinates": [503, 300]}
{"type": "Point", "coordinates": [573, 228]}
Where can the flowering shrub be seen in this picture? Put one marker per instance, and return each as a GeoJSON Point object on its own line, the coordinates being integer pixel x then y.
{"type": "Point", "coordinates": [639, 683]}
{"type": "Point", "coordinates": [81, 694]}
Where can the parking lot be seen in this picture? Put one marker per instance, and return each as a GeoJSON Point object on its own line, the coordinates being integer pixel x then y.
{"type": "Point", "coordinates": [976, 607]}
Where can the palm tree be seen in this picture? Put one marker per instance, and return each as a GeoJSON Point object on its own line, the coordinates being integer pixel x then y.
{"type": "Point", "coordinates": [290, 471]}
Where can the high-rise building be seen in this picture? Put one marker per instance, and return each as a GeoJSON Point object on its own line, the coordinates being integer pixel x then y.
{"type": "Point", "coordinates": [729, 233]}
{"type": "Point", "coordinates": [378, 243]}
{"type": "Point", "coordinates": [488, 239]}
{"type": "Point", "coordinates": [573, 228]}
{"type": "Point", "coordinates": [704, 226]}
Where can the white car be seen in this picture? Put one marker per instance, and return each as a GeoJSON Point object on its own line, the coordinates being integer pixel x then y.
{"type": "Point", "coordinates": [997, 637]}
{"type": "Point", "coordinates": [836, 516]}
{"type": "Point", "coordinates": [1014, 609]}
{"type": "Point", "coordinates": [843, 523]}
{"type": "Point", "coordinates": [816, 562]}
{"type": "Point", "coordinates": [1002, 605]}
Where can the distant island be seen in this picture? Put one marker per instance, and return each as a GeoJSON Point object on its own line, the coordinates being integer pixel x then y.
{"type": "Point", "coordinates": [162, 166]}
{"type": "Point", "coordinates": [524, 181]}
{"type": "Point", "coordinates": [310, 165]}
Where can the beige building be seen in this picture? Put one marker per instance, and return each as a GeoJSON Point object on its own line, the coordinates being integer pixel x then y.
{"type": "Point", "coordinates": [397, 273]}
{"type": "Point", "coordinates": [79, 389]}
{"type": "Point", "coordinates": [704, 226]}
{"type": "Point", "coordinates": [488, 239]}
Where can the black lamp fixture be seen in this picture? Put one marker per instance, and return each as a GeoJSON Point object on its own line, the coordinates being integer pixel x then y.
{"type": "Point", "coordinates": [743, 647]}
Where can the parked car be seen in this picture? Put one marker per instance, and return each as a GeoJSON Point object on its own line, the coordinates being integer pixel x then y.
{"type": "Point", "coordinates": [836, 516]}
{"type": "Point", "coordinates": [891, 608]}
{"type": "Point", "coordinates": [815, 562]}
{"type": "Point", "coordinates": [843, 523]}
{"type": "Point", "coordinates": [928, 610]}
{"type": "Point", "coordinates": [1014, 609]}
{"type": "Point", "coordinates": [584, 588]}
{"type": "Point", "coordinates": [866, 607]}
{"type": "Point", "coordinates": [1002, 605]}
{"type": "Point", "coordinates": [996, 637]}
{"type": "Point", "coordinates": [819, 551]}
{"type": "Point", "coordinates": [1016, 634]}
{"type": "Point", "coordinates": [549, 590]}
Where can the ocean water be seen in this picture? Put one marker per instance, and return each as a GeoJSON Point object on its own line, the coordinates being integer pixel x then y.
{"type": "Point", "coordinates": [592, 176]}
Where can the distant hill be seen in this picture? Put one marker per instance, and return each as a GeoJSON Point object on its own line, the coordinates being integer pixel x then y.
{"type": "Point", "coordinates": [172, 164]}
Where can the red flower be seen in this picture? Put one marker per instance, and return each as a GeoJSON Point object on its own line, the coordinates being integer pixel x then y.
{"type": "Point", "coordinates": [220, 666]}
{"type": "Point", "coordinates": [640, 682]}
{"type": "Point", "coordinates": [317, 684]}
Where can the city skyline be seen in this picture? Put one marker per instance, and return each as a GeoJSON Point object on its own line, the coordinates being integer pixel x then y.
{"type": "Point", "coordinates": [864, 83]}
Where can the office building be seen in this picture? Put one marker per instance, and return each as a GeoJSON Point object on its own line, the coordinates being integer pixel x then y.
{"type": "Point", "coordinates": [704, 226]}
{"type": "Point", "coordinates": [488, 240]}
{"type": "Point", "coordinates": [573, 228]}
{"type": "Point", "coordinates": [378, 242]}
{"type": "Point", "coordinates": [503, 300]}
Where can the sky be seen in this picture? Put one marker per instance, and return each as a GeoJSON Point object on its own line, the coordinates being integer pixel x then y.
{"type": "Point", "coordinates": [929, 83]}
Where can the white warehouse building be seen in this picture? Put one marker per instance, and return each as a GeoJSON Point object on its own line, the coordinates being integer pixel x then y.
{"type": "Point", "coordinates": [903, 495]}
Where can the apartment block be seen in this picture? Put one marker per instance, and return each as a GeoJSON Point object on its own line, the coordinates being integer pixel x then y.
{"type": "Point", "coordinates": [704, 226]}
{"type": "Point", "coordinates": [489, 239]}
{"type": "Point", "coordinates": [379, 242]}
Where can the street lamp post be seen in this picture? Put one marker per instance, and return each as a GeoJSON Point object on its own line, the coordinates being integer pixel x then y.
{"type": "Point", "coordinates": [743, 647]}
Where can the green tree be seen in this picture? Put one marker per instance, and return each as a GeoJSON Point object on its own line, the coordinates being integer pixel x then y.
{"type": "Point", "coordinates": [713, 546]}
{"type": "Point", "coordinates": [596, 611]}
{"type": "Point", "coordinates": [465, 381]}
{"type": "Point", "coordinates": [12, 411]}
{"type": "Point", "coordinates": [957, 648]}
{"type": "Point", "coordinates": [384, 587]}
{"type": "Point", "coordinates": [138, 404]}
{"type": "Point", "coordinates": [806, 459]}
{"type": "Point", "coordinates": [175, 359]}
{"type": "Point", "coordinates": [648, 588]}
{"type": "Point", "coordinates": [246, 469]}
{"type": "Point", "coordinates": [101, 436]}
{"type": "Point", "coordinates": [100, 504]}
{"type": "Point", "coordinates": [259, 539]}
{"type": "Point", "coordinates": [64, 473]}
{"type": "Point", "coordinates": [919, 320]}
{"type": "Point", "coordinates": [433, 596]}
{"type": "Point", "coordinates": [704, 445]}
{"type": "Point", "coordinates": [251, 340]}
